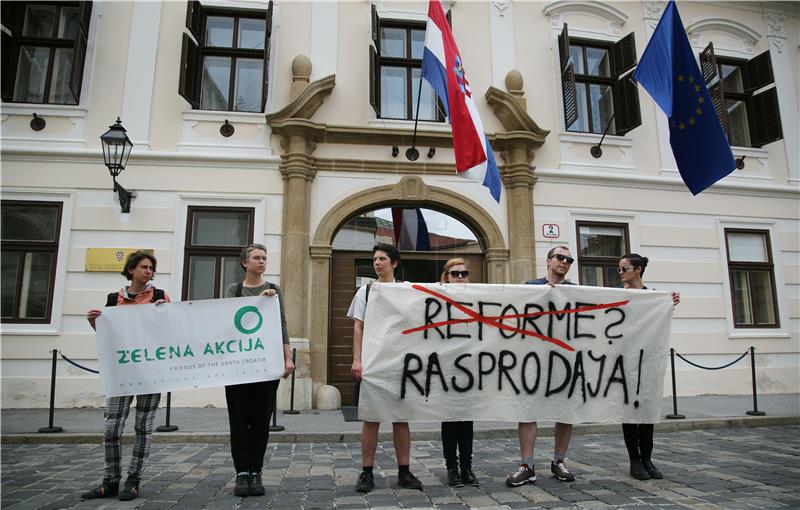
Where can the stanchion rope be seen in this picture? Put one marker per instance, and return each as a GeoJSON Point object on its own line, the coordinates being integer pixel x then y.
{"type": "Point", "coordinates": [77, 364]}
{"type": "Point", "coordinates": [713, 368]}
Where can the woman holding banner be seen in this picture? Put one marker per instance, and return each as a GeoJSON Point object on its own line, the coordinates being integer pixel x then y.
{"type": "Point", "coordinates": [250, 405]}
{"type": "Point", "coordinates": [457, 435]}
{"type": "Point", "coordinates": [639, 436]}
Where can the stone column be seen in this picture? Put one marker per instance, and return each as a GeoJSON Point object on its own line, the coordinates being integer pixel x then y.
{"type": "Point", "coordinates": [518, 179]}
{"type": "Point", "coordinates": [320, 300]}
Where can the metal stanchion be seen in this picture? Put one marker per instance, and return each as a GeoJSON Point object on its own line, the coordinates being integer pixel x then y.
{"type": "Point", "coordinates": [755, 411]}
{"type": "Point", "coordinates": [50, 428]}
{"type": "Point", "coordinates": [674, 415]}
{"type": "Point", "coordinates": [291, 399]}
{"type": "Point", "coordinates": [275, 427]}
{"type": "Point", "coordinates": [167, 427]}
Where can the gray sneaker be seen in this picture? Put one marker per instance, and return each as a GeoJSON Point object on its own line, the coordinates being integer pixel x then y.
{"type": "Point", "coordinates": [521, 475]}
{"type": "Point", "coordinates": [560, 471]}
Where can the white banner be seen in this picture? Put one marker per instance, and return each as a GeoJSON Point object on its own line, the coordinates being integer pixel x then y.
{"type": "Point", "coordinates": [573, 354]}
{"type": "Point", "coordinates": [188, 345]}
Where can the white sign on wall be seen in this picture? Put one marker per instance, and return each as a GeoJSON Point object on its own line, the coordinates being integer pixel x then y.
{"type": "Point", "coordinates": [550, 230]}
{"type": "Point", "coordinates": [152, 348]}
{"type": "Point", "coordinates": [518, 353]}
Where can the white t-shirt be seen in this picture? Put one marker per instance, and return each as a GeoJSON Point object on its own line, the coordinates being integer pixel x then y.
{"type": "Point", "coordinates": [358, 306]}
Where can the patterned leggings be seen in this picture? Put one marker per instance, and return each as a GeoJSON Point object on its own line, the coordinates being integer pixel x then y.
{"type": "Point", "coordinates": [116, 413]}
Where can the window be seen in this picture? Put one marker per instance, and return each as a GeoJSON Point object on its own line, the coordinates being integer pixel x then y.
{"type": "Point", "coordinates": [596, 95]}
{"type": "Point", "coordinates": [750, 119]}
{"type": "Point", "coordinates": [30, 232]}
{"type": "Point", "coordinates": [224, 63]}
{"type": "Point", "coordinates": [752, 279]}
{"type": "Point", "coordinates": [215, 237]}
{"type": "Point", "coordinates": [43, 51]}
{"type": "Point", "coordinates": [600, 246]}
{"type": "Point", "coordinates": [395, 71]}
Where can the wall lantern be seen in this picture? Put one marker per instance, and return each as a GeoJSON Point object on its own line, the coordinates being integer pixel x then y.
{"type": "Point", "coordinates": [116, 150]}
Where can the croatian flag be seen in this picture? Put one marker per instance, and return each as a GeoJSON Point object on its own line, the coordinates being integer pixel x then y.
{"type": "Point", "coordinates": [443, 69]}
{"type": "Point", "coordinates": [410, 229]}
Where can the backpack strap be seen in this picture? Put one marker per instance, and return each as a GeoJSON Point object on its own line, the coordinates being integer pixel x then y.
{"type": "Point", "coordinates": [239, 287]}
{"type": "Point", "coordinates": [157, 295]}
{"type": "Point", "coordinates": [366, 298]}
{"type": "Point", "coordinates": [111, 299]}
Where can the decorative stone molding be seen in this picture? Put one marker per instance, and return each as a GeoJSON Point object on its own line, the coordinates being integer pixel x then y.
{"type": "Point", "coordinates": [653, 12]}
{"type": "Point", "coordinates": [737, 30]}
{"type": "Point", "coordinates": [501, 6]}
{"type": "Point", "coordinates": [559, 9]}
{"type": "Point", "coordinates": [306, 104]}
{"type": "Point", "coordinates": [513, 117]}
{"type": "Point", "coordinates": [775, 29]}
{"type": "Point", "coordinates": [301, 73]}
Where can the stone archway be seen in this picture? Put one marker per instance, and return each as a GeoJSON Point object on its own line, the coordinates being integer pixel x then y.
{"type": "Point", "coordinates": [410, 190]}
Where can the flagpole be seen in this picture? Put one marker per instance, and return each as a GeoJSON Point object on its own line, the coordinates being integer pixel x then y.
{"type": "Point", "coordinates": [412, 153]}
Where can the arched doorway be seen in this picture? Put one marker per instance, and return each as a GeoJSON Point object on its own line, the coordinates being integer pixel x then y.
{"type": "Point", "coordinates": [426, 238]}
{"type": "Point", "coordinates": [409, 192]}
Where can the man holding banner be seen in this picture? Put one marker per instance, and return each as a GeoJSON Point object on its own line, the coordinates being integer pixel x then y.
{"type": "Point", "coordinates": [139, 269]}
{"type": "Point", "coordinates": [559, 261]}
{"type": "Point", "coordinates": [385, 259]}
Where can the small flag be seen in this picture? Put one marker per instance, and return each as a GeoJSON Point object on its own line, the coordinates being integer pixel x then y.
{"type": "Point", "coordinates": [443, 68]}
{"type": "Point", "coordinates": [410, 229]}
{"type": "Point", "coordinates": [669, 73]}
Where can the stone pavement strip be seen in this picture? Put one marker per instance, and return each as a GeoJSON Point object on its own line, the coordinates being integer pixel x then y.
{"type": "Point", "coordinates": [705, 469]}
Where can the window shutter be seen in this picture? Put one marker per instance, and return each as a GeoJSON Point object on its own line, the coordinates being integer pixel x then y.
{"type": "Point", "coordinates": [764, 118]}
{"type": "Point", "coordinates": [374, 81]}
{"type": "Point", "coordinates": [708, 63]}
{"type": "Point", "coordinates": [189, 81]}
{"type": "Point", "coordinates": [79, 51]}
{"type": "Point", "coordinates": [563, 48]}
{"type": "Point", "coordinates": [627, 114]}
{"type": "Point", "coordinates": [570, 95]}
{"type": "Point", "coordinates": [623, 55]}
{"type": "Point", "coordinates": [449, 18]}
{"type": "Point", "coordinates": [267, 39]}
{"type": "Point", "coordinates": [376, 34]}
{"type": "Point", "coordinates": [10, 55]}
{"type": "Point", "coordinates": [194, 19]}
{"type": "Point", "coordinates": [718, 100]}
{"type": "Point", "coordinates": [85, 16]}
{"type": "Point", "coordinates": [12, 16]}
{"type": "Point", "coordinates": [757, 72]}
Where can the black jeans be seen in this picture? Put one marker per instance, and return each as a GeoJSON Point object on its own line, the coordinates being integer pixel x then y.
{"type": "Point", "coordinates": [638, 440]}
{"type": "Point", "coordinates": [249, 411]}
{"type": "Point", "coordinates": [457, 435]}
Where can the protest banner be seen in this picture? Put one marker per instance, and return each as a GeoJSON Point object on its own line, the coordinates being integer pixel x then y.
{"type": "Point", "coordinates": [520, 353]}
{"type": "Point", "coordinates": [188, 345]}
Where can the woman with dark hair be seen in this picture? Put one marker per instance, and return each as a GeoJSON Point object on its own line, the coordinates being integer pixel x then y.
{"type": "Point", "coordinates": [457, 435]}
{"type": "Point", "coordinates": [250, 405]}
{"type": "Point", "coordinates": [639, 436]}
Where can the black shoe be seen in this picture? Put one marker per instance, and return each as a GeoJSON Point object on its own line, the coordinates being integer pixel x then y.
{"type": "Point", "coordinates": [407, 480]}
{"type": "Point", "coordinates": [653, 471]}
{"type": "Point", "coordinates": [131, 489]}
{"type": "Point", "coordinates": [256, 487]}
{"type": "Point", "coordinates": [560, 471]}
{"type": "Point", "coordinates": [638, 470]}
{"type": "Point", "coordinates": [468, 477]}
{"type": "Point", "coordinates": [242, 487]}
{"type": "Point", "coordinates": [366, 482]}
{"type": "Point", "coordinates": [454, 479]}
{"type": "Point", "coordinates": [106, 489]}
{"type": "Point", "coordinates": [522, 475]}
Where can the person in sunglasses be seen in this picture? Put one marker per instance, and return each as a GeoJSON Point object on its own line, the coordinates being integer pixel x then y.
{"type": "Point", "coordinates": [457, 435]}
{"type": "Point", "coordinates": [559, 261]}
{"type": "Point", "coordinates": [639, 436]}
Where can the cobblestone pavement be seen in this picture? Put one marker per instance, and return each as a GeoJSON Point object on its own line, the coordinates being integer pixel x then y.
{"type": "Point", "coordinates": [706, 469]}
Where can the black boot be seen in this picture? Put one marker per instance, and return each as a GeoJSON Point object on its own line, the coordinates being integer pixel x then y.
{"type": "Point", "coordinates": [638, 470]}
{"type": "Point", "coordinates": [653, 471]}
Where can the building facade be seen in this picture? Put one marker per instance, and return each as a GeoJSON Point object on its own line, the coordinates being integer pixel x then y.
{"type": "Point", "coordinates": [287, 123]}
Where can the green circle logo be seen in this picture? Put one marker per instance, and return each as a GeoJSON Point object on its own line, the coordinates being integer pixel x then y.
{"type": "Point", "coordinates": [237, 319]}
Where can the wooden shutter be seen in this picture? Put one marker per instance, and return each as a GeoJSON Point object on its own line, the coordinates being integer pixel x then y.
{"type": "Point", "coordinates": [623, 55]}
{"type": "Point", "coordinates": [79, 50]}
{"type": "Point", "coordinates": [374, 63]}
{"type": "Point", "coordinates": [764, 118]}
{"type": "Point", "coordinates": [708, 66]}
{"type": "Point", "coordinates": [189, 80]}
{"type": "Point", "coordinates": [8, 68]}
{"type": "Point", "coordinates": [708, 63]}
{"type": "Point", "coordinates": [563, 47]}
{"type": "Point", "coordinates": [627, 114]}
{"type": "Point", "coordinates": [194, 19]}
{"type": "Point", "coordinates": [12, 16]}
{"type": "Point", "coordinates": [267, 39]}
{"type": "Point", "coordinates": [449, 18]}
{"type": "Point", "coordinates": [757, 72]}
{"type": "Point", "coordinates": [570, 95]}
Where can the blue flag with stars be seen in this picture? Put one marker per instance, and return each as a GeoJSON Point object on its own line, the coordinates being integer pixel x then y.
{"type": "Point", "coordinates": [669, 73]}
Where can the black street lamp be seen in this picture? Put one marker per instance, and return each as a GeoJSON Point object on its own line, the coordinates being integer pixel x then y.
{"type": "Point", "coordinates": [116, 150]}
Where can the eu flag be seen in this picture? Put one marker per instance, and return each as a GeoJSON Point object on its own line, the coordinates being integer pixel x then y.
{"type": "Point", "coordinates": [669, 73]}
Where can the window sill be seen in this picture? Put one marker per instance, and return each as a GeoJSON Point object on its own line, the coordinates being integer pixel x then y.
{"type": "Point", "coordinates": [220, 116]}
{"type": "Point", "coordinates": [423, 125]}
{"type": "Point", "coordinates": [594, 139]}
{"type": "Point", "coordinates": [28, 329]}
{"type": "Point", "coordinates": [755, 334]}
{"type": "Point", "coordinates": [44, 110]}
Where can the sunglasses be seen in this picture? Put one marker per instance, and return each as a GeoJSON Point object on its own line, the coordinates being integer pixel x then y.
{"type": "Point", "coordinates": [623, 269]}
{"type": "Point", "coordinates": [562, 258]}
{"type": "Point", "coordinates": [459, 274]}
